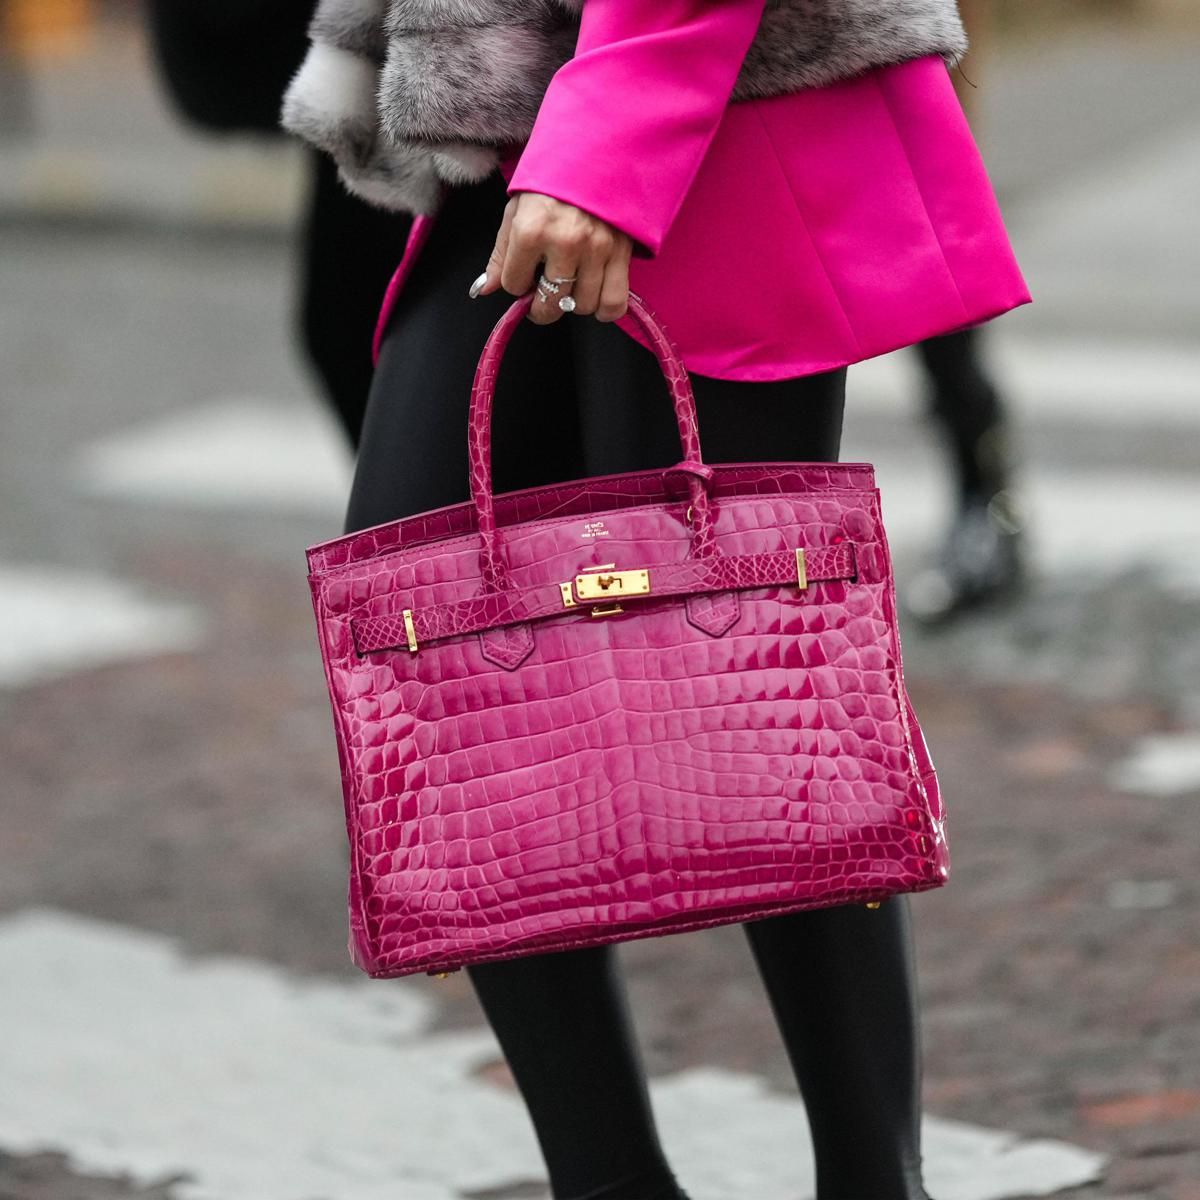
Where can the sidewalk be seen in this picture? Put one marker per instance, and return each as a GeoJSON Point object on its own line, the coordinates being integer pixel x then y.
{"type": "Point", "coordinates": [104, 148]}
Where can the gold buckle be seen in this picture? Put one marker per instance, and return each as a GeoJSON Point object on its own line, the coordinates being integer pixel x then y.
{"type": "Point", "coordinates": [801, 571]}
{"type": "Point", "coordinates": [604, 583]}
{"type": "Point", "coordinates": [607, 584]}
{"type": "Point", "coordinates": [409, 631]}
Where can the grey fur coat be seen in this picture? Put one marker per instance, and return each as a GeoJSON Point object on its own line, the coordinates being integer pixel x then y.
{"type": "Point", "coordinates": [412, 95]}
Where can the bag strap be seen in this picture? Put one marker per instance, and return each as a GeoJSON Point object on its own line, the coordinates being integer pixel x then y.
{"type": "Point", "coordinates": [718, 573]}
{"type": "Point", "coordinates": [480, 434]}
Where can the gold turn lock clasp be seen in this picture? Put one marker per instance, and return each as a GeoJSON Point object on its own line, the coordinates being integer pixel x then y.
{"type": "Point", "coordinates": [605, 583]}
{"type": "Point", "coordinates": [608, 585]}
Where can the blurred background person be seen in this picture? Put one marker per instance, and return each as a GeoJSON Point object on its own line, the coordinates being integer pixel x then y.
{"type": "Point", "coordinates": [226, 64]}
{"type": "Point", "coordinates": [982, 558]}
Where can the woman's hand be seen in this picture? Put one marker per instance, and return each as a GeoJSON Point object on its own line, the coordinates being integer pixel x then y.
{"type": "Point", "coordinates": [543, 236]}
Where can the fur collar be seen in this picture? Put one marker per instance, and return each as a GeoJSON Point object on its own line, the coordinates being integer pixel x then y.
{"type": "Point", "coordinates": [412, 95]}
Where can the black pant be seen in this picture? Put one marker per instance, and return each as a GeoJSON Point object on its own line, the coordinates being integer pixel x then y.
{"type": "Point", "coordinates": [582, 398]}
{"type": "Point", "coordinates": [349, 251]}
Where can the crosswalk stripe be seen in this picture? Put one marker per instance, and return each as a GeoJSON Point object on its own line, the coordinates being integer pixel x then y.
{"type": "Point", "coordinates": [55, 621]}
{"type": "Point", "coordinates": [1104, 384]}
{"type": "Point", "coordinates": [240, 452]}
{"type": "Point", "coordinates": [1082, 524]}
{"type": "Point", "coordinates": [259, 1085]}
{"type": "Point", "coordinates": [1164, 764]}
{"type": "Point", "coordinates": [234, 453]}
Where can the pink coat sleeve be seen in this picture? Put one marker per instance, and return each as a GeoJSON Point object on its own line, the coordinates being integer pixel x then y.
{"type": "Point", "coordinates": [624, 125]}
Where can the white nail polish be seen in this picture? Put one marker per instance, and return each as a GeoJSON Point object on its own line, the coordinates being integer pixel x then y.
{"type": "Point", "coordinates": [477, 286]}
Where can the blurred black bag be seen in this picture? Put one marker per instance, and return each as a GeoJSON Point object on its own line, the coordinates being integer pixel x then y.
{"type": "Point", "coordinates": [226, 63]}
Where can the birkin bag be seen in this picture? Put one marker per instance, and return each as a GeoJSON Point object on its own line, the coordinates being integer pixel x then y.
{"type": "Point", "coordinates": [620, 707]}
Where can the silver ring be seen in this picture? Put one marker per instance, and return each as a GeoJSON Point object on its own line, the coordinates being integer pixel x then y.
{"type": "Point", "coordinates": [554, 285]}
{"type": "Point", "coordinates": [567, 304]}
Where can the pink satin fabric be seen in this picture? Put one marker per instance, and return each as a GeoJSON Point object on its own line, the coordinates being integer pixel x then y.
{"type": "Point", "coordinates": [418, 235]}
{"type": "Point", "coordinates": [870, 225]}
{"type": "Point", "coordinates": [776, 238]}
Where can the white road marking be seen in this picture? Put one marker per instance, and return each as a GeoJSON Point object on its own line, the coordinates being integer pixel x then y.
{"type": "Point", "coordinates": [1106, 383]}
{"type": "Point", "coordinates": [229, 452]}
{"type": "Point", "coordinates": [1142, 893]}
{"type": "Point", "coordinates": [1090, 525]}
{"type": "Point", "coordinates": [1091, 522]}
{"type": "Point", "coordinates": [263, 1086]}
{"type": "Point", "coordinates": [1091, 255]}
{"type": "Point", "coordinates": [54, 622]}
{"type": "Point", "coordinates": [244, 453]}
{"type": "Point", "coordinates": [1164, 764]}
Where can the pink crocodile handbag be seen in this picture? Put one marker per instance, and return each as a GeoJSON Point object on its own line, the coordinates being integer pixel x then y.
{"type": "Point", "coordinates": [620, 707]}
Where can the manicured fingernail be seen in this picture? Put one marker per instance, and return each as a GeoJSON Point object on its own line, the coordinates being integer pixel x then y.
{"type": "Point", "coordinates": [477, 286]}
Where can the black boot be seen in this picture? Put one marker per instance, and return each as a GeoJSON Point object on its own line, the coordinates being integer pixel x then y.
{"type": "Point", "coordinates": [982, 560]}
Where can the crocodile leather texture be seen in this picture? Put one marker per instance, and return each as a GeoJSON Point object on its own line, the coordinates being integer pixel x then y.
{"type": "Point", "coordinates": [620, 707]}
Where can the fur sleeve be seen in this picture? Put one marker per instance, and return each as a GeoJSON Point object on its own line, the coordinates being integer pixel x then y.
{"type": "Point", "coordinates": [332, 103]}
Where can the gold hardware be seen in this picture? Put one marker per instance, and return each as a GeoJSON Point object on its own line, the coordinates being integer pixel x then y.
{"type": "Point", "coordinates": [875, 904]}
{"type": "Point", "coordinates": [409, 631]}
{"type": "Point", "coordinates": [690, 513]}
{"type": "Point", "coordinates": [442, 974]}
{"type": "Point", "coordinates": [602, 583]}
{"type": "Point", "coordinates": [613, 583]}
{"type": "Point", "coordinates": [801, 571]}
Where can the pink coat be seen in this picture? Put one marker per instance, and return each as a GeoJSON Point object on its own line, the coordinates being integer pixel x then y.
{"type": "Point", "coordinates": [779, 237]}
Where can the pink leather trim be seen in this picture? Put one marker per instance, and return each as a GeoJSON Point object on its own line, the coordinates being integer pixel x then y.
{"type": "Point", "coordinates": [454, 527]}
{"type": "Point", "coordinates": [479, 435]}
{"type": "Point", "coordinates": [692, 577]}
{"type": "Point", "coordinates": [418, 235]}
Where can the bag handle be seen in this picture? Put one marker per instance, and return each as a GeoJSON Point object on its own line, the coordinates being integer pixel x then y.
{"type": "Point", "coordinates": [480, 434]}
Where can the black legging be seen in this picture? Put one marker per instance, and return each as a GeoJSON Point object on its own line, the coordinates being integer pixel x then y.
{"type": "Point", "coordinates": [581, 398]}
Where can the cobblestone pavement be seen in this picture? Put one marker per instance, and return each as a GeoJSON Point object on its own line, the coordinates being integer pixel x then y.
{"type": "Point", "coordinates": [183, 782]}
{"type": "Point", "coordinates": [195, 794]}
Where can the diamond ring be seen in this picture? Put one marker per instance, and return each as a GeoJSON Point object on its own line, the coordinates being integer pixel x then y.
{"type": "Point", "coordinates": [567, 304]}
{"type": "Point", "coordinates": [554, 285]}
